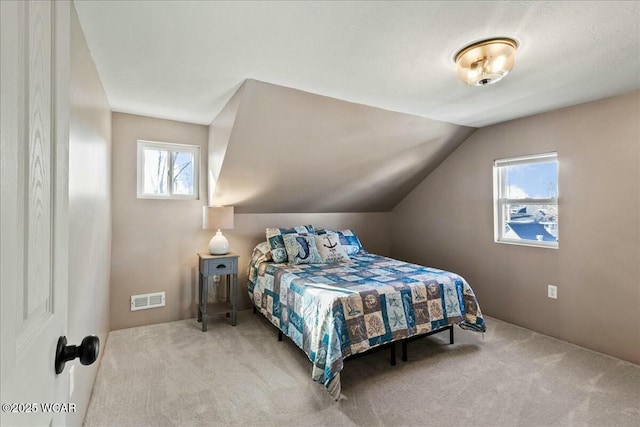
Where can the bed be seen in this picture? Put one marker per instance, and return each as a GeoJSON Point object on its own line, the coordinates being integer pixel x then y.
{"type": "Point", "coordinates": [336, 310]}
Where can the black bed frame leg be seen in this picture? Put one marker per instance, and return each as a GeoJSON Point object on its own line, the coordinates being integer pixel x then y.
{"type": "Point", "coordinates": [279, 335]}
{"type": "Point", "coordinates": [254, 310]}
{"type": "Point", "coordinates": [437, 331]}
{"type": "Point", "coordinates": [393, 354]}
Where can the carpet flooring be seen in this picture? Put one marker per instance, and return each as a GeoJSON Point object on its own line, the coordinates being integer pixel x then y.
{"type": "Point", "coordinates": [173, 374]}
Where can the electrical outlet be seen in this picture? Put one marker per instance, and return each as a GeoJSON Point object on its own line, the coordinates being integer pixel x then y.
{"type": "Point", "coordinates": [552, 291]}
{"type": "Point", "coordinates": [71, 379]}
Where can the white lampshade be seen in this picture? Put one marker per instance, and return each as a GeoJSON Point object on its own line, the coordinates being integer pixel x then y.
{"type": "Point", "coordinates": [217, 217]}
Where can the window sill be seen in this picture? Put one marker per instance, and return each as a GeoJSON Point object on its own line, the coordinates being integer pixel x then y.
{"type": "Point", "coordinates": [173, 197]}
{"type": "Point", "coordinates": [531, 243]}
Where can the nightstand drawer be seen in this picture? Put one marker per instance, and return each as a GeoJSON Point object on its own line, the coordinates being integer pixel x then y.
{"type": "Point", "coordinates": [222, 266]}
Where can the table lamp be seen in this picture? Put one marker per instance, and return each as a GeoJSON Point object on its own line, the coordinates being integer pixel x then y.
{"type": "Point", "coordinates": [217, 217]}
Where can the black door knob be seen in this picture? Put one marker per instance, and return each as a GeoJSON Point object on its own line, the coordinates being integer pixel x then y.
{"type": "Point", "coordinates": [87, 351]}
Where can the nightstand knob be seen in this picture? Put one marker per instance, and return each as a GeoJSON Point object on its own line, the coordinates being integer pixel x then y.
{"type": "Point", "coordinates": [221, 266]}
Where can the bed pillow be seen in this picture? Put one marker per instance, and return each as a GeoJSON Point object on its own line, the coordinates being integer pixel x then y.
{"type": "Point", "coordinates": [261, 253]}
{"type": "Point", "coordinates": [301, 249]}
{"type": "Point", "coordinates": [330, 248]}
{"type": "Point", "coordinates": [276, 242]}
{"type": "Point", "coordinates": [348, 239]}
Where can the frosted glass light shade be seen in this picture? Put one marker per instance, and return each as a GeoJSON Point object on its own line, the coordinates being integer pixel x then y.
{"type": "Point", "coordinates": [486, 62]}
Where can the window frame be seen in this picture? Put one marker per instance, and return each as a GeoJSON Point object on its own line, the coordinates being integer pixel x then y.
{"type": "Point", "coordinates": [170, 148]}
{"type": "Point", "coordinates": [500, 202]}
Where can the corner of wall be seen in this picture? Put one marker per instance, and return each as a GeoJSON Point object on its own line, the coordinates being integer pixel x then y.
{"type": "Point", "coordinates": [90, 216]}
{"type": "Point", "coordinates": [220, 133]}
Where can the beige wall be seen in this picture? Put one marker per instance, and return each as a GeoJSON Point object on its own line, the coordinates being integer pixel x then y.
{"type": "Point", "coordinates": [447, 222]}
{"type": "Point", "coordinates": [154, 241]}
{"type": "Point", "coordinates": [89, 213]}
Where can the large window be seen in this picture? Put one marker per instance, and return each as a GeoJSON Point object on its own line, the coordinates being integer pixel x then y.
{"type": "Point", "coordinates": [167, 171]}
{"type": "Point", "coordinates": [526, 200]}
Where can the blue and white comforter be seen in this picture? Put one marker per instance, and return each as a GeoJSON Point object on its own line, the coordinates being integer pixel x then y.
{"type": "Point", "coordinates": [332, 311]}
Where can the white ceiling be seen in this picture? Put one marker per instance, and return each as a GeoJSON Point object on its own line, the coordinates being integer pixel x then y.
{"type": "Point", "coordinates": [184, 60]}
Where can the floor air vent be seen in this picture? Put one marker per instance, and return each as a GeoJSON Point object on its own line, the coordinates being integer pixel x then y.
{"type": "Point", "coordinates": [144, 301]}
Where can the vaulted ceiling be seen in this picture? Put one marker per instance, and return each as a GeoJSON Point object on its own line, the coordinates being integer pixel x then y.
{"type": "Point", "coordinates": [345, 106]}
{"type": "Point", "coordinates": [184, 60]}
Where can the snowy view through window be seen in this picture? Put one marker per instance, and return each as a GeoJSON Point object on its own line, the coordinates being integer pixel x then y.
{"type": "Point", "coordinates": [524, 219]}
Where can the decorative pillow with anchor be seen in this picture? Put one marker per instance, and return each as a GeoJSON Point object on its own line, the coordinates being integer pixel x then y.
{"type": "Point", "coordinates": [330, 248]}
{"type": "Point", "coordinates": [348, 240]}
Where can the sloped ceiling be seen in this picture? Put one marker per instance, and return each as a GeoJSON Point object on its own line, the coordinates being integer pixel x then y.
{"type": "Point", "coordinates": [182, 60]}
{"type": "Point", "coordinates": [387, 66]}
{"type": "Point", "coordinates": [285, 150]}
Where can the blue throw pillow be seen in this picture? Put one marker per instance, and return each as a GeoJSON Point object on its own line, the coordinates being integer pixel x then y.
{"type": "Point", "coordinates": [276, 242]}
{"type": "Point", "coordinates": [302, 249]}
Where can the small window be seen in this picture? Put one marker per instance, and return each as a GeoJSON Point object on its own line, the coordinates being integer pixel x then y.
{"type": "Point", "coordinates": [167, 171]}
{"type": "Point", "coordinates": [526, 200]}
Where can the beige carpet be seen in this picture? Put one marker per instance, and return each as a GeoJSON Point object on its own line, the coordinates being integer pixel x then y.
{"type": "Point", "coordinates": [173, 374]}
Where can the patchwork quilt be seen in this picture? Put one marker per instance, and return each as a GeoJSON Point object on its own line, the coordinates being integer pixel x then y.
{"type": "Point", "coordinates": [332, 311]}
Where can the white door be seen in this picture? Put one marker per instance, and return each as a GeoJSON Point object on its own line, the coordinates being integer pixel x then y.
{"type": "Point", "coordinates": [34, 116]}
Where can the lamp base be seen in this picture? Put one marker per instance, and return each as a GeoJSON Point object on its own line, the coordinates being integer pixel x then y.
{"type": "Point", "coordinates": [218, 245]}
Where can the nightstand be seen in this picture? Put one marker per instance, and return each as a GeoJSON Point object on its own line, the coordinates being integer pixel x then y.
{"type": "Point", "coordinates": [217, 265]}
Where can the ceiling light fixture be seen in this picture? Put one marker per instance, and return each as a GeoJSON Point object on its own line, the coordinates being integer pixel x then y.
{"type": "Point", "coordinates": [485, 62]}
